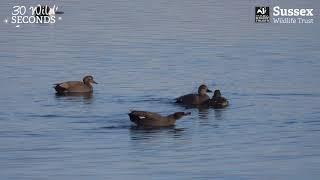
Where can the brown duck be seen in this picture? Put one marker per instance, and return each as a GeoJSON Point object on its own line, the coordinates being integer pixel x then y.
{"type": "Point", "coordinates": [217, 101]}
{"type": "Point", "coordinates": [150, 119]}
{"type": "Point", "coordinates": [195, 99]}
{"type": "Point", "coordinates": [76, 86]}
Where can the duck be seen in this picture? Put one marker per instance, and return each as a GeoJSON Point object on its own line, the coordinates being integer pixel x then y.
{"type": "Point", "coordinates": [76, 86]}
{"type": "Point", "coordinates": [217, 101]}
{"type": "Point", "coordinates": [195, 99]}
{"type": "Point", "coordinates": [152, 119]}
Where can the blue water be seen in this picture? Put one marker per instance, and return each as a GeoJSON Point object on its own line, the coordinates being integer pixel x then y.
{"type": "Point", "coordinates": [144, 54]}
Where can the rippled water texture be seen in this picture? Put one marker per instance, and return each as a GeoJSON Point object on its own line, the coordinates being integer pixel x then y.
{"type": "Point", "coordinates": [144, 54]}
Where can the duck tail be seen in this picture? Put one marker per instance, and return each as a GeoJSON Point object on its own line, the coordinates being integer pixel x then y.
{"type": "Point", "coordinates": [59, 88]}
{"type": "Point", "coordinates": [178, 100]}
{"type": "Point", "coordinates": [133, 117]}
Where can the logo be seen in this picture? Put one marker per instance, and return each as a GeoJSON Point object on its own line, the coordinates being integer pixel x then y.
{"type": "Point", "coordinates": [284, 15]}
{"type": "Point", "coordinates": [262, 14]}
{"type": "Point", "coordinates": [297, 15]}
{"type": "Point", "coordinates": [33, 15]}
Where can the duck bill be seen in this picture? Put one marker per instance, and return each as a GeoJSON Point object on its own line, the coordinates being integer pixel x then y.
{"type": "Point", "coordinates": [208, 90]}
{"type": "Point", "coordinates": [94, 82]}
{"type": "Point", "coordinates": [187, 113]}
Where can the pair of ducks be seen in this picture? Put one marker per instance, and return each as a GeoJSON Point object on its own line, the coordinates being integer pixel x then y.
{"type": "Point", "coordinates": [202, 99]}
{"type": "Point", "coordinates": [151, 119]}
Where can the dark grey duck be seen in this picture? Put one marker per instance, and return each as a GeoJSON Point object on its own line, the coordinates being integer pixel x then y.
{"type": "Point", "coordinates": [218, 101]}
{"type": "Point", "coordinates": [151, 119]}
{"type": "Point", "coordinates": [195, 99]}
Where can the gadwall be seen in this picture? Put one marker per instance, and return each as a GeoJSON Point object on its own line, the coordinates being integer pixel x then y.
{"type": "Point", "coordinates": [76, 86]}
{"type": "Point", "coordinates": [151, 119]}
{"type": "Point", "coordinates": [217, 101]}
{"type": "Point", "coordinates": [195, 99]}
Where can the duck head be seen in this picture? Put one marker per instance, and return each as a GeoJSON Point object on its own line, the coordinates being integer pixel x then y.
{"type": "Point", "coordinates": [203, 90]}
{"type": "Point", "coordinates": [216, 94]}
{"type": "Point", "coordinates": [89, 80]}
{"type": "Point", "coordinates": [178, 115]}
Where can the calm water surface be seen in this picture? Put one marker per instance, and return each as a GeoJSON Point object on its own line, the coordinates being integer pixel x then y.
{"type": "Point", "coordinates": [144, 54]}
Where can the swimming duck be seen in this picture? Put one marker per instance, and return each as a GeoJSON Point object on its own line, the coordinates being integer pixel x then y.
{"type": "Point", "coordinates": [217, 101]}
{"type": "Point", "coordinates": [195, 99]}
{"type": "Point", "coordinates": [76, 86]}
{"type": "Point", "coordinates": [151, 119]}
